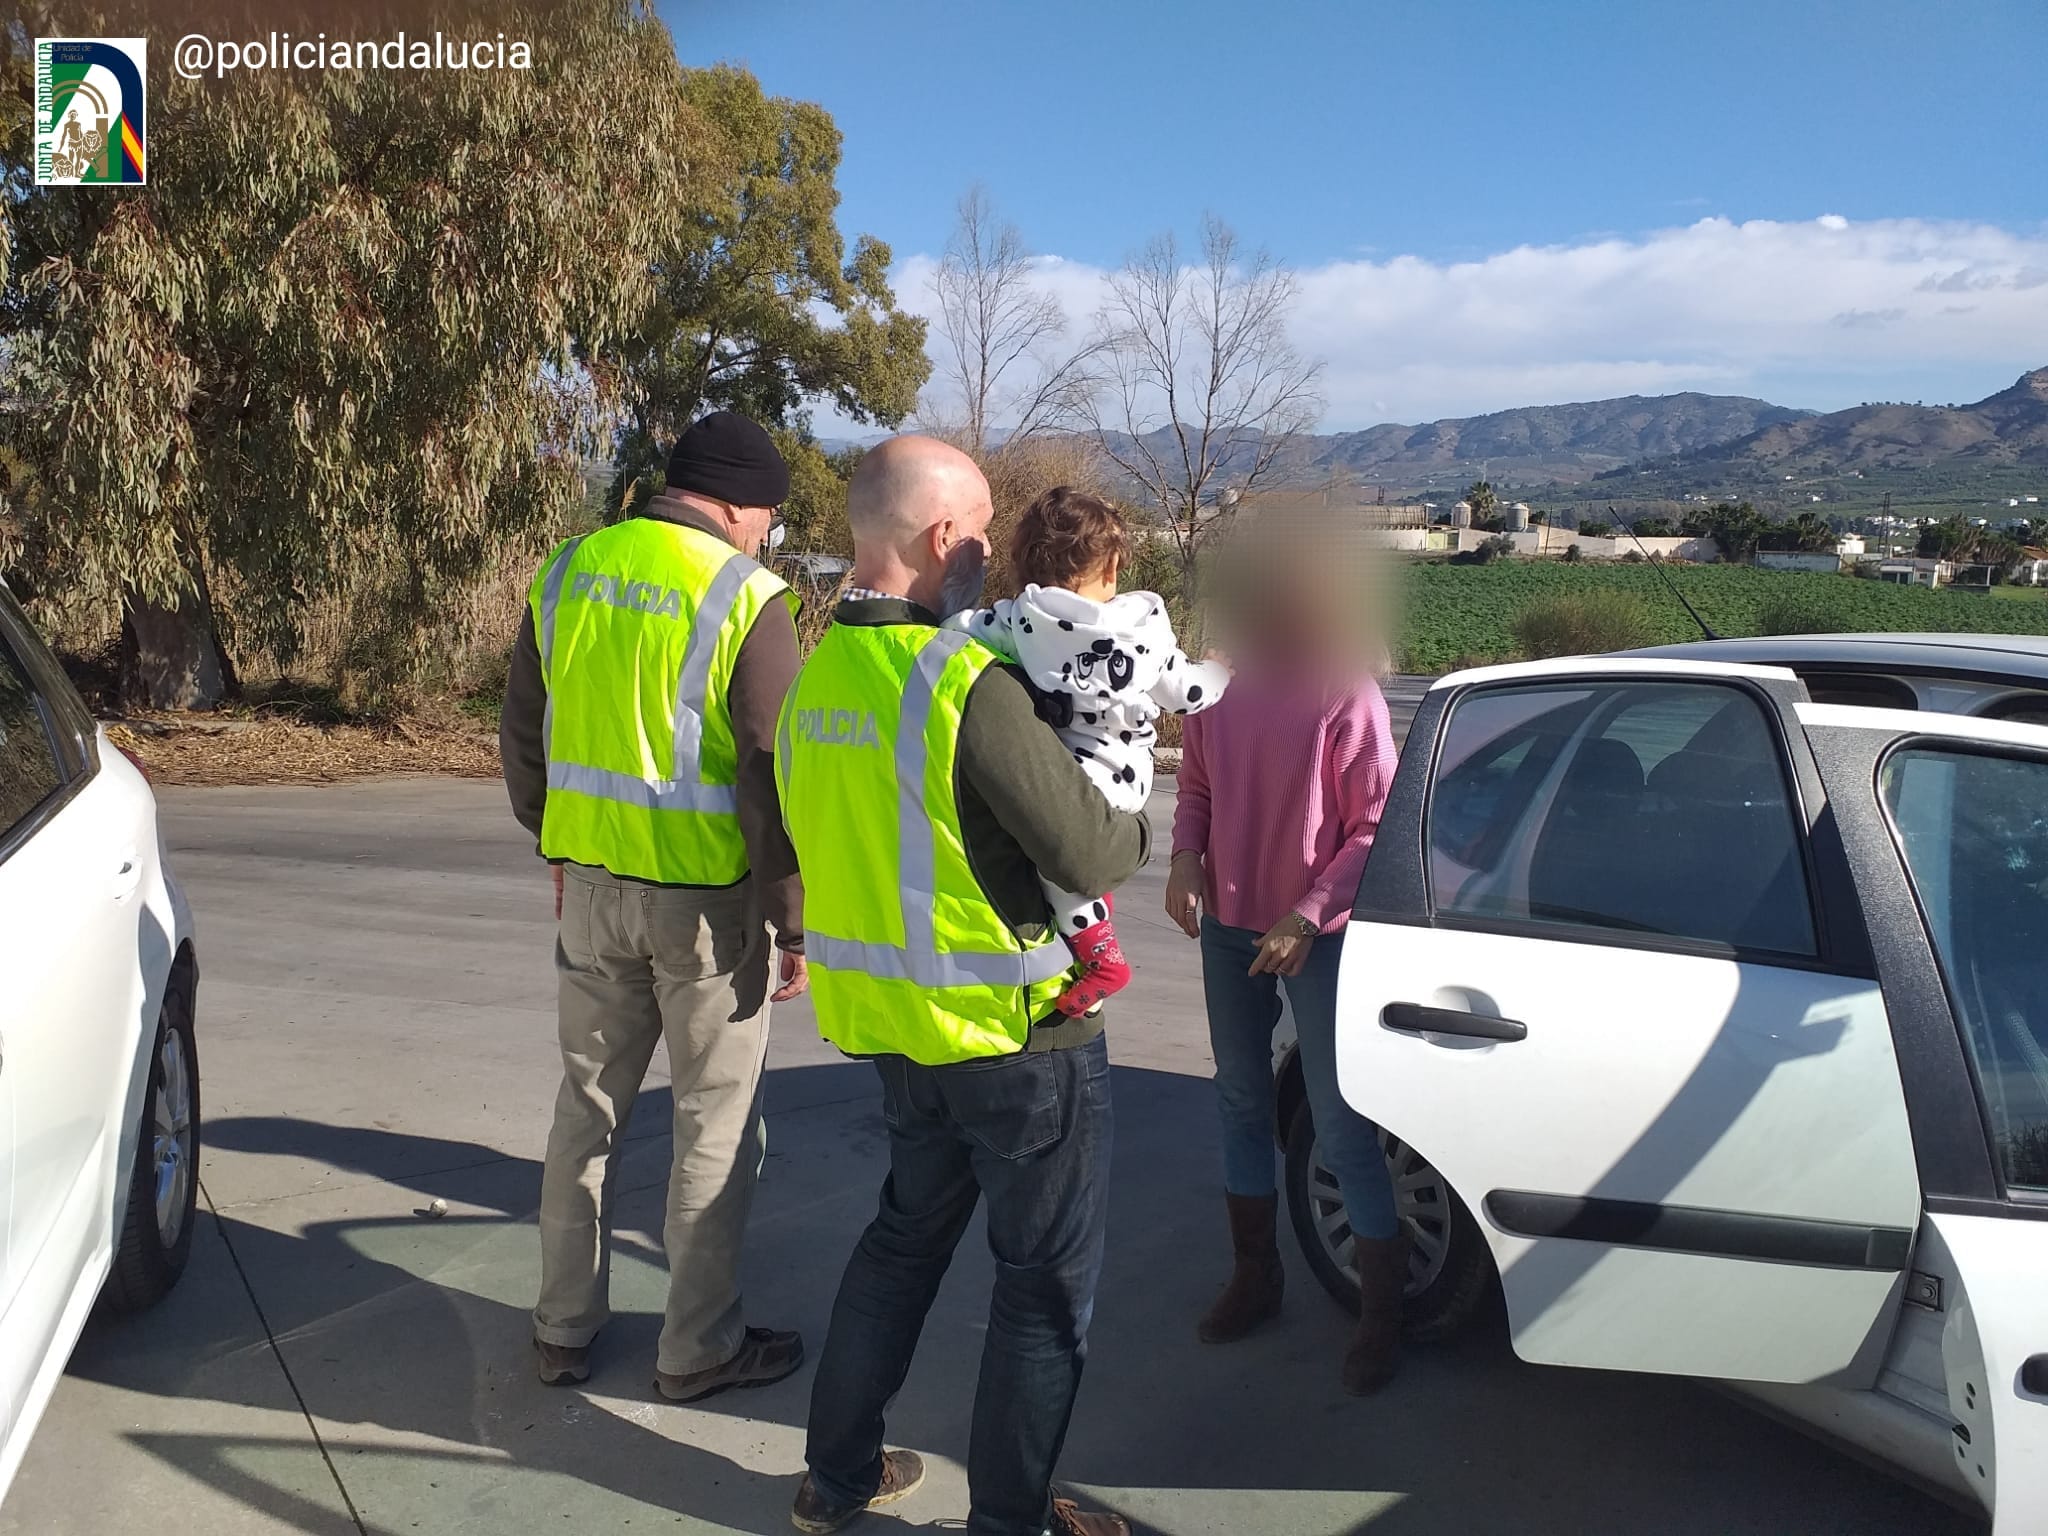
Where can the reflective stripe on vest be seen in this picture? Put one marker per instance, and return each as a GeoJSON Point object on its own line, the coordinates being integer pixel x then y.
{"type": "Point", "coordinates": [919, 958]}
{"type": "Point", "coordinates": [684, 791]}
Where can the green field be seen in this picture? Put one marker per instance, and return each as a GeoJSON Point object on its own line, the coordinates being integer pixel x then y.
{"type": "Point", "coordinates": [1460, 613]}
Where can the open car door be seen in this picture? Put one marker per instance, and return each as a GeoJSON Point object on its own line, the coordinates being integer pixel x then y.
{"type": "Point", "coordinates": [1946, 827]}
{"type": "Point", "coordinates": [1607, 972]}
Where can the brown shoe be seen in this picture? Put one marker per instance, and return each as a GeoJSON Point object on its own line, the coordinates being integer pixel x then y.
{"type": "Point", "coordinates": [764, 1357]}
{"type": "Point", "coordinates": [902, 1475]}
{"type": "Point", "coordinates": [561, 1366]}
{"type": "Point", "coordinates": [1252, 1295]}
{"type": "Point", "coordinates": [1069, 1519]}
{"type": "Point", "coordinates": [1374, 1352]}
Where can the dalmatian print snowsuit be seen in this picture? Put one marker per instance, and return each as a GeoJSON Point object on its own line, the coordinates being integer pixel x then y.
{"type": "Point", "coordinates": [1120, 667]}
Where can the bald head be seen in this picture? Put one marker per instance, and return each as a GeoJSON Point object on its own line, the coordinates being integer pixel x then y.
{"type": "Point", "coordinates": [903, 486]}
{"type": "Point", "coordinates": [916, 506]}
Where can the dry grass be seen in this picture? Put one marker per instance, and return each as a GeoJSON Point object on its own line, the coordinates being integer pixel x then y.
{"type": "Point", "coordinates": [1018, 474]}
{"type": "Point", "coordinates": [364, 696]}
{"type": "Point", "coordinates": [279, 750]}
{"type": "Point", "coordinates": [377, 664]}
{"type": "Point", "coordinates": [354, 645]}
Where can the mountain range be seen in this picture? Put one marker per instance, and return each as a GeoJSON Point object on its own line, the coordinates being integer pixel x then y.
{"type": "Point", "coordinates": [1532, 443]}
{"type": "Point", "coordinates": [1687, 444]}
{"type": "Point", "coordinates": [2005, 429]}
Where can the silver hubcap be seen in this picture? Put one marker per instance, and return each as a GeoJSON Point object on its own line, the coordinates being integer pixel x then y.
{"type": "Point", "coordinates": [171, 1135]}
{"type": "Point", "coordinates": [1419, 1197]}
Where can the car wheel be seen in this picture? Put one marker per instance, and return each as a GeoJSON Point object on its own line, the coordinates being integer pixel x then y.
{"type": "Point", "coordinates": [163, 1188]}
{"type": "Point", "coordinates": [1450, 1272]}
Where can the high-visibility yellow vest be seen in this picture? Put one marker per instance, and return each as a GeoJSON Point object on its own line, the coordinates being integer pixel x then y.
{"type": "Point", "coordinates": [907, 955]}
{"type": "Point", "coordinates": [639, 625]}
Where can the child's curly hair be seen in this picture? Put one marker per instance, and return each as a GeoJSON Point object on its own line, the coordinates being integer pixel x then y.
{"type": "Point", "coordinates": [1066, 536]}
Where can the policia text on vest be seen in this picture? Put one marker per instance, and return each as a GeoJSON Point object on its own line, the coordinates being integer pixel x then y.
{"type": "Point", "coordinates": [837, 727]}
{"type": "Point", "coordinates": [638, 628]}
{"type": "Point", "coordinates": [641, 596]}
{"type": "Point", "coordinates": [908, 954]}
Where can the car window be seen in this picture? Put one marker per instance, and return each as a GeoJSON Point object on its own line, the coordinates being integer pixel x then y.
{"type": "Point", "coordinates": [1645, 808]}
{"type": "Point", "coordinates": [1487, 765]}
{"type": "Point", "coordinates": [2021, 709]}
{"type": "Point", "coordinates": [1862, 689]}
{"type": "Point", "coordinates": [1973, 828]}
{"type": "Point", "coordinates": [29, 773]}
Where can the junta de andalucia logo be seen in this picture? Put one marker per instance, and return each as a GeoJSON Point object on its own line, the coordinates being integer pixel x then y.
{"type": "Point", "coordinates": [89, 111]}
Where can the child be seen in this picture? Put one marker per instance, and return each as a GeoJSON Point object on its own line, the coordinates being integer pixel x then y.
{"type": "Point", "coordinates": [1112, 663]}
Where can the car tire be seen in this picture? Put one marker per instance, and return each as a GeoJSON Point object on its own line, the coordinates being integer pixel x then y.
{"type": "Point", "coordinates": [163, 1185]}
{"type": "Point", "coordinates": [1451, 1275]}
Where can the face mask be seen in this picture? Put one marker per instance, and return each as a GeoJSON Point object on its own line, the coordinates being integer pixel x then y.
{"type": "Point", "coordinates": [775, 537]}
{"type": "Point", "coordinates": [966, 571]}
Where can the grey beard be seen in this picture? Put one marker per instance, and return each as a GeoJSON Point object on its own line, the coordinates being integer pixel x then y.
{"type": "Point", "coordinates": [962, 590]}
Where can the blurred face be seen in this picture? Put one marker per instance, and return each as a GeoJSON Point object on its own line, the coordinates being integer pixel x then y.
{"type": "Point", "coordinates": [1300, 606]}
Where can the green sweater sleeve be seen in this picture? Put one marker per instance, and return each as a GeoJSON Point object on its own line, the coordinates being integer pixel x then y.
{"type": "Point", "coordinates": [1044, 817]}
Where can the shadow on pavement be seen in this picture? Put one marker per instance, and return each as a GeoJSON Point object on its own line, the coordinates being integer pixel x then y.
{"type": "Point", "coordinates": [408, 1340]}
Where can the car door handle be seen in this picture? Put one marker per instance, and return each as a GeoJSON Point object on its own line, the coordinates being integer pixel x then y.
{"type": "Point", "coordinates": [2034, 1375]}
{"type": "Point", "coordinates": [1414, 1019]}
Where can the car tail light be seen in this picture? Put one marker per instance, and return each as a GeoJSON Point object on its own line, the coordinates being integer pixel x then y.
{"type": "Point", "coordinates": [137, 761]}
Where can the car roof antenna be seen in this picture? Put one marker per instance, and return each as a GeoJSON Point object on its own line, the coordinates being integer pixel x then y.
{"type": "Point", "coordinates": [1691, 612]}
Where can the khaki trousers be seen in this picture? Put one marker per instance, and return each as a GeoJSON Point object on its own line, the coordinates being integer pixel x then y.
{"type": "Point", "coordinates": [638, 964]}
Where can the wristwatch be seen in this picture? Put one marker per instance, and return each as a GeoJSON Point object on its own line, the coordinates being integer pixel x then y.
{"type": "Point", "coordinates": [1303, 926]}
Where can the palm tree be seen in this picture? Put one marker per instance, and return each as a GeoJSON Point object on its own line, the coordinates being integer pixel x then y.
{"type": "Point", "coordinates": [1811, 533]}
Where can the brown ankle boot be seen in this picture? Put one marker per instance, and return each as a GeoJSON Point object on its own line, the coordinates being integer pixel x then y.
{"type": "Point", "coordinates": [1253, 1293]}
{"type": "Point", "coordinates": [1375, 1348]}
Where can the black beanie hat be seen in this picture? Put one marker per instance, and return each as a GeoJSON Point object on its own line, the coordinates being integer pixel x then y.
{"type": "Point", "coordinates": [731, 459]}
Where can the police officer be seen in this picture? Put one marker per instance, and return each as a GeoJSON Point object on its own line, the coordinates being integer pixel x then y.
{"type": "Point", "coordinates": [638, 744]}
{"type": "Point", "coordinates": [926, 799]}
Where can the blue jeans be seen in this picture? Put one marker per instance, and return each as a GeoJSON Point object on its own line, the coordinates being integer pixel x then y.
{"type": "Point", "coordinates": [1242, 1012]}
{"type": "Point", "coordinates": [1032, 1133]}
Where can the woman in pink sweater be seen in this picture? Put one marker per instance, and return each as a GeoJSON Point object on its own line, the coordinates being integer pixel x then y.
{"type": "Point", "coordinates": [1281, 788]}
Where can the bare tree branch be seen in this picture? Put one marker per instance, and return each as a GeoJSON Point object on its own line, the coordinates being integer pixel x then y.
{"type": "Point", "coordinates": [1203, 391]}
{"type": "Point", "coordinates": [1004, 352]}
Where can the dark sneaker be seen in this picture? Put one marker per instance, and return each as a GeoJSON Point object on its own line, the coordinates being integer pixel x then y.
{"type": "Point", "coordinates": [902, 1475]}
{"type": "Point", "coordinates": [1070, 1519]}
{"type": "Point", "coordinates": [561, 1366]}
{"type": "Point", "coordinates": [764, 1356]}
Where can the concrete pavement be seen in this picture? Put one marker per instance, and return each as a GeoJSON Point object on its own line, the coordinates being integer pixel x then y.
{"type": "Point", "coordinates": [376, 1033]}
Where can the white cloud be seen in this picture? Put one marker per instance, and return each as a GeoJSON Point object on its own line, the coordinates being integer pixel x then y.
{"type": "Point", "coordinates": [1822, 313]}
{"type": "Point", "coordinates": [1839, 310]}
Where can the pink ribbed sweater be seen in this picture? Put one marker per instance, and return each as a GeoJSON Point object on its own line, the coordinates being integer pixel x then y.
{"type": "Point", "coordinates": [1281, 788]}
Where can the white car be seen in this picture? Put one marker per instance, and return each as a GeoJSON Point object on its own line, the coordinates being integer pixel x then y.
{"type": "Point", "coordinates": [1706, 1019]}
{"type": "Point", "coordinates": [99, 1082]}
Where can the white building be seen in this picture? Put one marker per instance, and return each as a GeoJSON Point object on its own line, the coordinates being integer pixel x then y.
{"type": "Point", "coordinates": [1548, 542]}
{"type": "Point", "coordinates": [1916, 571]}
{"type": "Point", "coordinates": [1799, 560]}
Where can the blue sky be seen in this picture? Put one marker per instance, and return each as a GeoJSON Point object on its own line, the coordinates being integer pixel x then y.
{"type": "Point", "coordinates": [1347, 137]}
